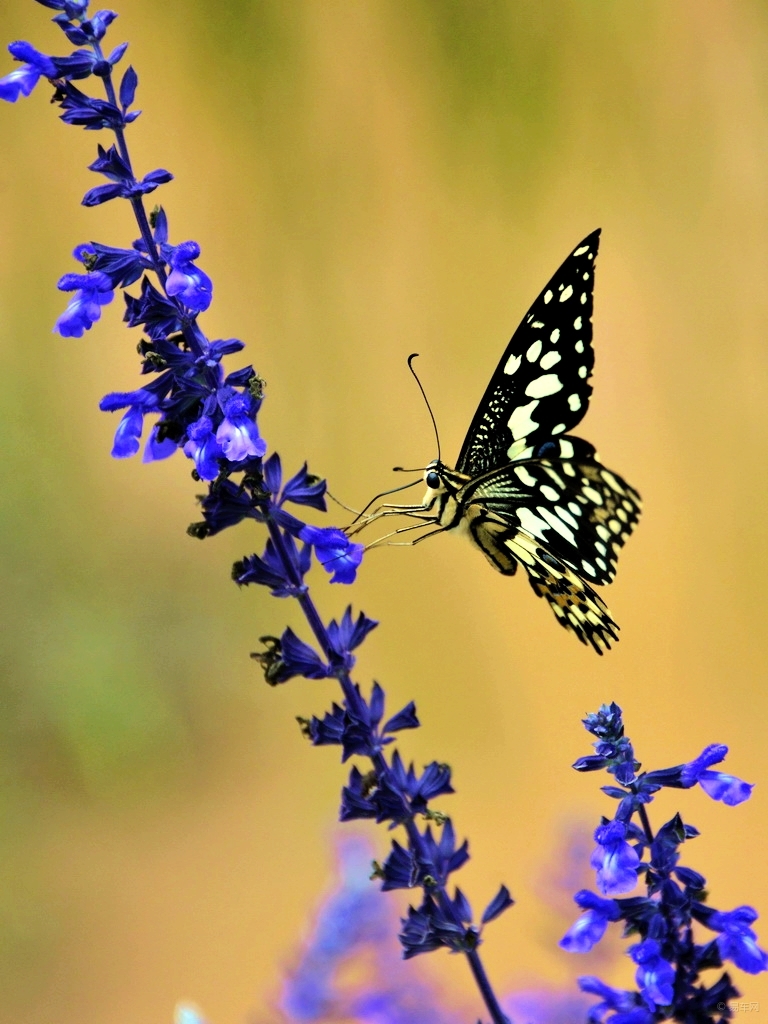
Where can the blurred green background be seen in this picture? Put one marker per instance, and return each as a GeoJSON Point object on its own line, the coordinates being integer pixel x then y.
{"type": "Point", "coordinates": [368, 179]}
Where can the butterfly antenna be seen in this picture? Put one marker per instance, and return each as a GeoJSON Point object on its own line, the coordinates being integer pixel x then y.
{"type": "Point", "coordinates": [411, 357]}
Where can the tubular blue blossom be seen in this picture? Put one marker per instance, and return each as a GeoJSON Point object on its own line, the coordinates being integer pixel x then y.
{"type": "Point", "coordinates": [590, 927]}
{"type": "Point", "coordinates": [336, 553]}
{"type": "Point", "coordinates": [92, 291]}
{"type": "Point", "coordinates": [203, 447]}
{"type": "Point", "coordinates": [655, 976]}
{"type": "Point", "coordinates": [238, 434]}
{"type": "Point", "coordinates": [718, 785]}
{"type": "Point", "coordinates": [186, 281]}
{"type": "Point", "coordinates": [23, 80]}
{"type": "Point", "coordinates": [737, 941]}
{"type": "Point", "coordinates": [614, 860]}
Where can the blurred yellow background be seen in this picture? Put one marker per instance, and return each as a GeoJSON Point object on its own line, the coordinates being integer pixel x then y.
{"type": "Point", "coordinates": [366, 179]}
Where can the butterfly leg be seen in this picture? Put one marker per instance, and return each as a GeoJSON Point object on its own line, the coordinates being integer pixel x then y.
{"type": "Point", "coordinates": [389, 510]}
{"type": "Point", "coordinates": [406, 529]}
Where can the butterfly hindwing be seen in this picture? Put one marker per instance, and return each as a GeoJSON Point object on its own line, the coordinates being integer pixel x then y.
{"type": "Point", "coordinates": [540, 388]}
{"type": "Point", "coordinates": [578, 510]}
{"type": "Point", "coordinates": [576, 605]}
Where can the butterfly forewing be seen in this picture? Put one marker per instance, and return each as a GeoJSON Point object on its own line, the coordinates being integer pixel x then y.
{"type": "Point", "coordinates": [540, 388]}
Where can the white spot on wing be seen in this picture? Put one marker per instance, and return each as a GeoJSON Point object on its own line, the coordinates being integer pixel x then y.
{"type": "Point", "coordinates": [577, 323]}
{"type": "Point", "coordinates": [525, 477]}
{"type": "Point", "coordinates": [520, 422]}
{"type": "Point", "coordinates": [512, 365]}
{"type": "Point", "coordinates": [555, 336]}
{"type": "Point", "coordinates": [581, 250]}
{"type": "Point", "coordinates": [588, 568]}
{"type": "Point", "coordinates": [566, 449]}
{"type": "Point", "coordinates": [564, 514]}
{"type": "Point", "coordinates": [574, 402]}
{"type": "Point", "coordinates": [568, 469]}
{"type": "Point", "coordinates": [579, 346]}
{"type": "Point", "coordinates": [531, 522]}
{"type": "Point", "coordinates": [549, 359]}
{"type": "Point", "coordinates": [583, 298]}
{"type": "Point", "coordinates": [576, 509]}
{"type": "Point", "coordinates": [550, 492]}
{"type": "Point", "coordinates": [582, 372]}
{"type": "Point", "coordinates": [547, 384]}
{"type": "Point", "coordinates": [533, 352]}
{"type": "Point", "coordinates": [611, 480]}
{"type": "Point", "coordinates": [537, 323]}
{"type": "Point", "coordinates": [566, 293]}
{"type": "Point", "coordinates": [557, 524]}
{"type": "Point", "coordinates": [558, 429]}
{"type": "Point", "coordinates": [601, 531]}
{"type": "Point", "coordinates": [594, 496]}
{"type": "Point", "coordinates": [548, 295]}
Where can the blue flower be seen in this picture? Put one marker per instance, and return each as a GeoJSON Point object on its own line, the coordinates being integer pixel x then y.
{"type": "Point", "coordinates": [737, 941]}
{"type": "Point", "coordinates": [203, 447]}
{"type": "Point", "coordinates": [92, 291]}
{"type": "Point", "coordinates": [590, 927]}
{"type": "Point", "coordinates": [624, 1006]}
{"type": "Point", "coordinates": [655, 976]}
{"type": "Point", "coordinates": [130, 427]}
{"type": "Point", "coordinates": [718, 785]}
{"type": "Point", "coordinates": [614, 860]}
{"type": "Point", "coordinates": [238, 434]}
{"type": "Point", "coordinates": [187, 282]}
{"type": "Point", "coordinates": [21, 81]}
{"type": "Point", "coordinates": [335, 551]}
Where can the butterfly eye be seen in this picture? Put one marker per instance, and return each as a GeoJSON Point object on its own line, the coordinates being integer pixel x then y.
{"type": "Point", "coordinates": [433, 480]}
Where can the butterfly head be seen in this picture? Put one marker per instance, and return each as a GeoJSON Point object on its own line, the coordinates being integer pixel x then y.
{"type": "Point", "coordinates": [441, 480]}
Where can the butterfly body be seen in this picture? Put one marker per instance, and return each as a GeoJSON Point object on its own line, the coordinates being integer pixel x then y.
{"type": "Point", "coordinates": [525, 490]}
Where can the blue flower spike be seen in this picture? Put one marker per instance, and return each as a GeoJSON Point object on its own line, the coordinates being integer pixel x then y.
{"type": "Point", "coordinates": [669, 961]}
{"type": "Point", "coordinates": [211, 415]}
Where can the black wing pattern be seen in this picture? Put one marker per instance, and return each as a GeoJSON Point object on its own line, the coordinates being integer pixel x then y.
{"type": "Point", "coordinates": [575, 507]}
{"type": "Point", "coordinates": [540, 388]}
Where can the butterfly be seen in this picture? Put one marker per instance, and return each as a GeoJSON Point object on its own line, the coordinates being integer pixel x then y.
{"type": "Point", "coordinates": [525, 490]}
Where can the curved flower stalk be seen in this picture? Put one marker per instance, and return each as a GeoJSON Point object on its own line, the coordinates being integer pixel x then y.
{"type": "Point", "coordinates": [671, 952]}
{"type": "Point", "coordinates": [210, 416]}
